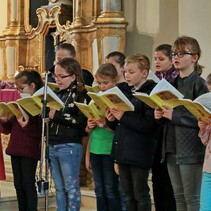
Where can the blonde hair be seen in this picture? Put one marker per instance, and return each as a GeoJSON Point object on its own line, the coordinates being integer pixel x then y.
{"type": "Point", "coordinates": [142, 60]}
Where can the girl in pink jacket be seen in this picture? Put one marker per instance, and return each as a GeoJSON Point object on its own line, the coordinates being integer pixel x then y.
{"type": "Point", "coordinates": [205, 135]}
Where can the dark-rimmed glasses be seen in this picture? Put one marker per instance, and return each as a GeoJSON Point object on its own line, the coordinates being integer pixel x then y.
{"type": "Point", "coordinates": [180, 54]}
{"type": "Point", "coordinates": [60, 77]}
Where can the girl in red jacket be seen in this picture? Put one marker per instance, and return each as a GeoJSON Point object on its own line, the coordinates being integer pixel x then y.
{"type": "Point", "coordinates": [24, 144]}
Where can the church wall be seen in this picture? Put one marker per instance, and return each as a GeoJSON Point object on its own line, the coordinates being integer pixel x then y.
{"type": "Point", "coordinates": [153, 22]}
{"type": "Point", "coordinates": [194, 20]}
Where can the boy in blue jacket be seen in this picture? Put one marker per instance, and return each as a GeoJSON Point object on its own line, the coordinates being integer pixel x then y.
{"type": "Point", "coordinates": [135, 142]}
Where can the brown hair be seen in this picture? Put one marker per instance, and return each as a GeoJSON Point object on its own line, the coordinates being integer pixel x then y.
{"type": "Point", "coordinates": [67, 46]}
{"type": "Point", "coordinates": [119, 57]}
{"type": "Point", "coordinates": [72, 67]}
{"type": "Point", "coordinates": [29, 77]}
{"type": "Point", "coordinates": [184, 42]}
{"type": "Point", "coordinates": [107, 70]}
{"type": "Point", "coordinates": [165, 48]}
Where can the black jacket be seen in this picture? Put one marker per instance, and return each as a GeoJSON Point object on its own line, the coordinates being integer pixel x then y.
{"type": "Point", "coordinates": [68, 123]}
{"type": "Point", "coordinates": [189, 149]}
{"type": "Point", "coordinates": [135, 134]}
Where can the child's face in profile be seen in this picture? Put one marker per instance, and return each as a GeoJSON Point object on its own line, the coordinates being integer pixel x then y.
{"type": "Point", "coordinates": [61, 54]}
{"type": "Point", "coordinates": [162, 62]}
{"type": "Point", "coordinates": [105, 82]}
{"type": "Point", "coordinates": [63, 79]}
{"type": "Point", "coordinates": [134, 76]}
{"type": "Point", "coordinates": [23, 87]}
{"type": "Point", "coordinates": [186, 61]}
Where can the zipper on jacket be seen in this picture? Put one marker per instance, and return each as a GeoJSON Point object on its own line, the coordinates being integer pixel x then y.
{"type": "Point", "coordinates": [57, 129]}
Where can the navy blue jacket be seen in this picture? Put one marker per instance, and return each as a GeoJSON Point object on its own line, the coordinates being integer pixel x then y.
{"type": "Point", "coordinates": [135, 134]}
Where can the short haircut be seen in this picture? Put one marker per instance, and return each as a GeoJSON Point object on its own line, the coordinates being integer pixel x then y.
{"type": "Point", "coordinates": [142, 60]}
{"type": "Point", "coordinates": [119, 57]}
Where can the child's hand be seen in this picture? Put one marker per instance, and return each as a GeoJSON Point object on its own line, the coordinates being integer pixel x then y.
{"type": "Point", "coordinates": [158, 113]}
{"type": "Point", "coordinates": [52, 113]}
{"type": "Point", "coordinates": [203, 126]}
{"type": "Point", "coordinates": [87, 158]}
{"type": "Point", "coordinates": [3, 119]}
{"type": "Point", "coordinates": [109, 115]}
{"type": "Point", "coordinates": [116, 168]}
{"type": "Point", "coordinates": [91, 123]}
{"type": "Point", "coordinates": [4, 116]}
{"type": "Point", "coordinates": [88, 164]}
{"type": "Point", "coordinates": [117, 113]}
{"type": "Point", "coordinates": [167, 112]}
{"type": "Point", "coordinates": [23, 122]}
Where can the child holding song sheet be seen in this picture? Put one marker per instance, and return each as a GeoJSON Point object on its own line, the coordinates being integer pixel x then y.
{"type": "Point", "coordinates": [134, 144]}
{"type": "Point", "coordinates": [65, 134]}
{"type": "Point", "coordinates": [99, 149]}
{"type": "Point", "coordinates": [182, 149]}
{"type": "Point", "coordinates": [24, 143]}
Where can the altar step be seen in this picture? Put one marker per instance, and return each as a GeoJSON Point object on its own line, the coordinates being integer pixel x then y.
{"type": "Point", "coordinates": [8, 200]}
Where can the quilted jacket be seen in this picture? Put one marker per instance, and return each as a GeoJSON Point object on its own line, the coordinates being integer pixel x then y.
{"type": "Point", "coordinates": [189, 149]}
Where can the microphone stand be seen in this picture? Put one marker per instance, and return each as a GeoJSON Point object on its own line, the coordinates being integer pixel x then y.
{"type": "Point", "coordinates": [43, 183]}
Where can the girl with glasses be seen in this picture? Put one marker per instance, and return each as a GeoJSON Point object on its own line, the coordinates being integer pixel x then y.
{"type": "Point", "coordinates": [182, 149]}
{"type": "Point", "coordinates": [65, 134]}
{"type": "Point", "coordinates": [24, 144]}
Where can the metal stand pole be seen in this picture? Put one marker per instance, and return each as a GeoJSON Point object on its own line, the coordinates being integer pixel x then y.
{"type": "Point", "coordinates": [43, 183]}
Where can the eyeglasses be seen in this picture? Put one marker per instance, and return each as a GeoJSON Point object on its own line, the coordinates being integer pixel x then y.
{"type": "Point", "coordinates": [180, 54]}
{"type": "Point", "coordinates": [20, 89]}
{"type": "Point", "coordinates": [60, 77]}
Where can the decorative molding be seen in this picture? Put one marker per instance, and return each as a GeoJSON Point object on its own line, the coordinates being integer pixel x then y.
{"type": "Point", "coordinates": [30, 43]}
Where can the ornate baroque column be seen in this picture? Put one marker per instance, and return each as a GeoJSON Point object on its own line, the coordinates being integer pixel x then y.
{"type": "Point", "coordinates": [111, 26]}
{"type": "Point", "coordinates": [77, 14]}
{"type": "Point", "coordinates": [11, 41]}
{"type": "Point", "coordinates": [15, 17]}
{"type": "Point", "coordinates": [109, 5]}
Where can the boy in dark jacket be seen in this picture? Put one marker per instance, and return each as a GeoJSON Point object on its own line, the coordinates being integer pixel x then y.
{"type": "Point", "coordinates": [135, 142]}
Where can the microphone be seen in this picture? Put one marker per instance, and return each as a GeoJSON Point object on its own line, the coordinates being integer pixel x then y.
{"type": "Point", "coordinates": [59, 43]}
